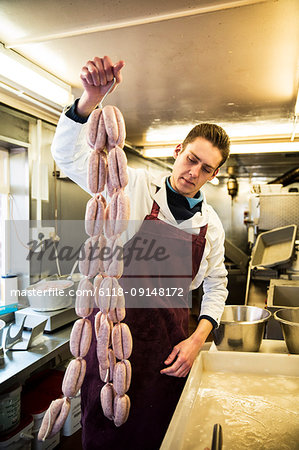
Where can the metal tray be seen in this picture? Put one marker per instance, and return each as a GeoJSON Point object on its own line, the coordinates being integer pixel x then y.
{"type": "Point", "coordinates": [274, 247]}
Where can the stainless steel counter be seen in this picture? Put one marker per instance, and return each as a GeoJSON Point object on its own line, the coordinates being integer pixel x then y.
{"type": "Point", "coordinates": [18, 365]}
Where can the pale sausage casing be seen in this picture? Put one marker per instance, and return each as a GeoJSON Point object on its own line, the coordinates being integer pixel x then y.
{"type": "Point", "coordinates": [122, 376]}
{"type": "Point", "coordinates": [117, 168]}
{"type": "Point", "coordinates": [122, 341]}
{"type": "Point", "coordinates": [80, 338]}
{"type": "Point", "coordinates": [94, 215]}
{"type": "Point", "coordinates": [121, 409]}
{"type": "Point", "coordinates": [73, 377]}
{"type": "Point", "coordinates": [54, 418]}
{"type": "Point", "coordinates": [107, 400]}
{"type": "Point", "coordinates": [106, 375]}
{"type": "Point", "coordinates": [115, 126]}
{"type": "Point", "coordinates": [84, 300]}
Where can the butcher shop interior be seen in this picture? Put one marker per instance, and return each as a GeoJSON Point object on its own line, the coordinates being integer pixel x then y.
{"type": "Point", "coordinates": [149, 224]}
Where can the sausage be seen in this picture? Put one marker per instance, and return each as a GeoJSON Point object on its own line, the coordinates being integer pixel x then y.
{"type": "Point", "coordinates": [121, 128]}
{"type": "Point", "coordinates": [113, 263]}
{"type": "Point", "coordinates": [107, 298]}
{"type": "Point", "coordinates": [117, 168]}
{"type": "Point", "coordinates": [119, 212]}
{"type": "Point", "coordinates": [60, 420]}
{"type": "Point", "coordinates": [107, 374]}
{"type": "Point", "coordinates": [101, 135]}
{"type": "Point", "coordinates": [93, 172]}
{"type": "Point", "coordinates": [107, 400]}
{"type": "Point", "coordinates": [80, 338]}
{"type": "Point", "coordinates": [92, 127]}
{"type": "Point", "coordinates": [84, 301]}
{"type": "Point", "coordinates": [103, 334]}
{"type": "Point", "coordinates": [73, 377]}
{"type": "Point", "coordinates": [122, 341]}
{"type": "Point", "coordinates": [96, 285]}
{"type": "Point", "coordinates": [102, 174]}
{"type": "Point", "coordinates": [119, 313]}
{"type": "Point", "coordinates": [99, 318]}
{"type": "Point", "coordinates": [108, 222]}
{"type": "Point", "coordinates": [122, 376]}
{"type": "Point", "coordinates": [110, 188]}
{"type": "Point", "coordinates": [94, 215]}
{"type": "Point", "coordinates": [122, 406]}
{"type": "Point", "coordinates": [49, 418]}
{"type": "Point", "coordinates": [91, 255]}
{"type": "Point", "coordinates": [111, 125]}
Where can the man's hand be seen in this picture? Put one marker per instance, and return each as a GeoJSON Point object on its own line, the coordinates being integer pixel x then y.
{"type": "Point", "coordinates": [186, 351]}
{"type": "Point", "coordinates": [183, 355]}
{"type": "Point", "coordinates": [97, 77]}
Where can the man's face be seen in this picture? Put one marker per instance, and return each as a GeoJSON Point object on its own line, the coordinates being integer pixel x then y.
{"type": "Point", "coordinates": [193, 167]}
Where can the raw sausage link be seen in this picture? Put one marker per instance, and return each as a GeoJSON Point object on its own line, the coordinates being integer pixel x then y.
{"type": "Point", "coordinates": [122, 341]}
{"type": "Point", "coordinates": [92, 127]}
{"type": "Point", "coordinates": [101, 136]}
{"type": "Point", "coordinates": [94, 216]}
{"type": "Point", "coordinates": [49, 418]}
{"type": "Point", "coordinates": [119, 313]}
{"type": "Point", "coordinates": [113, 263]}
{"type": "Point", "coordinates": [96, 285]}
{"type": "Point", "coordinates": [107, 297]}
{"type": "Point", "coordinates": [117, 168]}
{"type": "Point", "coordinates": [119, 212]}
{"type": "Point", "coordinates": [102, 175]}
{"type": "Point", "coordinates": [107, 400]}
{"type": "Point", "coordinates": [103, 341]}
{"type": "Point", "coordinates": [80, 338]}
{"type": "Point", "coordinates": [122, 376]}
{"type": "Point", "coordinates": [121, 128]}
{"type": "Point", "coordinates": [110, 125]}
{"type": "Point", "coordinates": [121, 409]}
{"type": "Point", "coordinates": [93, 172]}
{"type": "Point", "coordinates": [84, 300]}
{"type": "Point", "coordinates": [107, 374]}
{"type": "Point", "coordinates": [91, 256]}
{"type": "Point", "coordinates": [73, 377]}
{"type": "Point", "coordinates": [60, 420]}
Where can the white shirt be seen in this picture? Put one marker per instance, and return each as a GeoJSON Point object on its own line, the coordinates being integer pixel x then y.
{"type": "Point", "coordinates": [71, 151]}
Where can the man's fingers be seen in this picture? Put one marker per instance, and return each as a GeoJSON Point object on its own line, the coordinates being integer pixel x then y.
{"type": "Point", "coordinates": [107, 64]}
{"type": "Point", "coordinates": [117, 71]}
{"type": "Point", "coordinates": [172, 355]}
{"type": "Point", "coordinates": [100, 72]}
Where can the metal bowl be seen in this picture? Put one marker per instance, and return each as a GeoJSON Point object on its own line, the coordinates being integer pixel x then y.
{"type": "Point", "coordinates": [241, 328]}
{"type": "Point", "coordinates": [289, 322]}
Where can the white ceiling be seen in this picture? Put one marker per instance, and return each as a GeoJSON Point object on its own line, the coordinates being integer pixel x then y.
{"type": "Point", "coordinates": [224, 62]}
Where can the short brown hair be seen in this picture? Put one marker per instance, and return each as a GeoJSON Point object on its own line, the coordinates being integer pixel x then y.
{"type": "Point", "coordinates": [212, 133]}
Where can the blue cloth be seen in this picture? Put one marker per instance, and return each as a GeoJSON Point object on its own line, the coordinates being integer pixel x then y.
{"type": "Point", "coordinates": [191, 200]}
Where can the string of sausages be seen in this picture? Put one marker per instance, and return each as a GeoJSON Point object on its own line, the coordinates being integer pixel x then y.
{"type": "Point", "coordinates": [101, 260]}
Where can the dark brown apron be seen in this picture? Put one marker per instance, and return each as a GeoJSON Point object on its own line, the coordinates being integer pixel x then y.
{"type": "Point", "coordinates": [155, 330]}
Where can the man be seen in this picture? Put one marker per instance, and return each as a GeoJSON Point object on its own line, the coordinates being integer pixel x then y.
{"type": "Point", "coordinates": [175, 204]}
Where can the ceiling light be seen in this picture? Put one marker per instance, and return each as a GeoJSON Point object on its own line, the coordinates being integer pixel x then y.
{"type": "Point", "coordinates": [266, 147]}
{"type": "Point", "coordinates": [241, 130]}
{"type": "Point", "coordinates": [19, 73]}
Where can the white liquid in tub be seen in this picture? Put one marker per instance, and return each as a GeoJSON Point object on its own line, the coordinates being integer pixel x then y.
{"type": "Point", "coordinates": [255, 411]}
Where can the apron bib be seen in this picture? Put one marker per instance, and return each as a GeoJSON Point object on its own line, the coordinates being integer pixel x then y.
{"type": "Point", "coordinates": [157, 326]}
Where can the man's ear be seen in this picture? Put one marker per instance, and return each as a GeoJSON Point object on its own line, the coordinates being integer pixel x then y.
{"type": "Point", "coordinates": [177, 151]}
{"type": "Point", "coordinates": [214, 174]}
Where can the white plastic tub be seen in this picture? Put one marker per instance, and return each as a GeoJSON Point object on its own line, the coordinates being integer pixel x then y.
{"type": "Point", "coordinates": [10, 408]}
{"type": "Point", "coordinates": [254, 396]}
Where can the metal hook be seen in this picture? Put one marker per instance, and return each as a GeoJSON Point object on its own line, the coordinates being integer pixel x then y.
{"type": "Point", "coordinates": [109, 90]}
